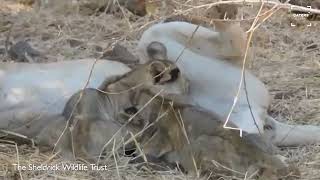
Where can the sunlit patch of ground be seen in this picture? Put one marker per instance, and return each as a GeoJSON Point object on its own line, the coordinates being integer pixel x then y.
{"type": "Point", "coordinates": [13, 7]}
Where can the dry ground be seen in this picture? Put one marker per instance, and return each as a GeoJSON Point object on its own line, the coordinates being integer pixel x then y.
{"type": "Point", "coordinates": [286, 58]}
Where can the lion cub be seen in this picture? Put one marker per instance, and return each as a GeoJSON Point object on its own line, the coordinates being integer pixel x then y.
{"type": "Point", "coordinates": [196, 140]}
{"type": "Point", "coordinates": [94, 115]}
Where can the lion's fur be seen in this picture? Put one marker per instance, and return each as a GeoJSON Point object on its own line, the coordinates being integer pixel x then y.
{"type": "Point", "coordinates": [195, 138]}
{"type": "Point", "coordinates": [93, 115]}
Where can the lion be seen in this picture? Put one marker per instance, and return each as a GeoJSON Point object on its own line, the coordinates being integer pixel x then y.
{"type": "Point", "coordinates": [196, 139]}
{"type": "Point", "coordinates": [92, 115]}
{"type": "Point", "coordinates": [215, 79]}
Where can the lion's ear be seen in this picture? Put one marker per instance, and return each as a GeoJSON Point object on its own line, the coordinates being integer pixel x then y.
{"type": "Point", "coordinates": [157, 51]}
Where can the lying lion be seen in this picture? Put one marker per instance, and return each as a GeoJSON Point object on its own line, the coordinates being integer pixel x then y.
{"type": "Point", "coordinates": [212, 62]}
{"type": "Point", "coordinates": [195, 139]}
{"type": "Point", "coordinates": [29, 91]}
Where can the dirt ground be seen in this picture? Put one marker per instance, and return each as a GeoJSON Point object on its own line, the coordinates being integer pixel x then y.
{"type": "Point", "coordinates": [285, 57]}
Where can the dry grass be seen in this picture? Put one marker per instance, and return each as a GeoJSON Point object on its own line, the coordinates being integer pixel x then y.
{"type": "Point", "coordinates": [281, 59]}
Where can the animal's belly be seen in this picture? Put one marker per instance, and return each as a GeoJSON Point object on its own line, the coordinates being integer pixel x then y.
{"type": "Point", "coordinates": [47, 87]}
{"type": "Point", "coordinates": [214, 85]}
{"type": "Point", "coordinates": [240, 116]}
{"type": "Point", "coordinates": [220, 101]}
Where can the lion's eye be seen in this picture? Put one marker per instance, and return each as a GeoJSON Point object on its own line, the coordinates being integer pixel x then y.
{"type": "Point", "coordinates": [131, 110]}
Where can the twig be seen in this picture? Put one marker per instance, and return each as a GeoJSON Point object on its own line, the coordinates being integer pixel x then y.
{"type": "Point", "coordinates": [115, 158]}
{"type": "Point", "coordinates": [14, 134]}
{"type": "Point", "coordinates": [129, 120]}
{"type": "Point", "coordinates": [217, 164]}
{"type": "Point", "coordinates": [18, 160]}
{"type": "Point", "coordinates": [160, 116]}
{"type": "Point", "coordinates": [124, 14]}
{"type": "Point", "coordinates": [7, 41]}
{"type": "Point", "coordinates": [251, 30]}
{"type": "Point", "coordinates": [74, 107]}
{"type": "Point", "coordinates": [138, 147]}
{"type": "Point", "coordinates": [182, 126]}
{"type": "Point", "coordinates": [188, 43]}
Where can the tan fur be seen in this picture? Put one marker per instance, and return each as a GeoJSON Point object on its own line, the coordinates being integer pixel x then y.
{"type": "Point", "coordinates": [95, 115]}
{"type": "Point", "coordinates": [232, 40]}
{"type": "Point", "coordinates": [222, 11]}
{"type": "Point", "coordinates": [198, 138]}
